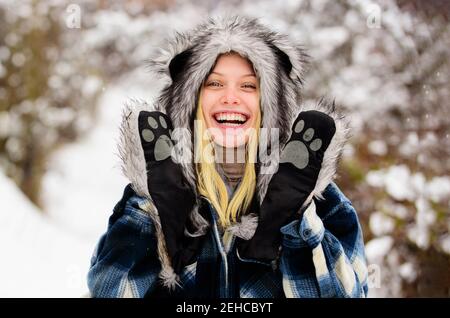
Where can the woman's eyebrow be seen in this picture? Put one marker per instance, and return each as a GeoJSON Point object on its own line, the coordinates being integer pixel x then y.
{"type": "Point", "coordinates": [251, 74]}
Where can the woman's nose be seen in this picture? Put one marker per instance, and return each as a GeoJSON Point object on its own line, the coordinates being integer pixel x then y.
{"type": "Point", "coordinates": [229, 98]}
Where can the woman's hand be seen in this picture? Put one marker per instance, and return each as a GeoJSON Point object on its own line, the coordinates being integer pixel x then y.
{"type": "Point", "coordinates": [170, 192]}
{"type": "Point", "coordinates": [290, 187]}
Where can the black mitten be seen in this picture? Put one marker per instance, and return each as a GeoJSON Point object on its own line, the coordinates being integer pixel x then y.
{"type": "Point", "coordinates": [167, 186]}
{"type": "Point", "coordinates": [300, 164]}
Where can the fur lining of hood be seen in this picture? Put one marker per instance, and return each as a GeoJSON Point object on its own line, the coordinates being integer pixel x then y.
{"type": "Point", "coordinates": [185, 63]}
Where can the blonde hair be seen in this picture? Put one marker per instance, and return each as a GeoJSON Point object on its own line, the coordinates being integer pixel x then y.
{"type": "Point", "coordinates": [209, 182]}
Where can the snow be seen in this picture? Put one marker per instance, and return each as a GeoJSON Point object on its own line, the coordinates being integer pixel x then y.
{"type": "Point", "coordinates": [398, 211]}
{"type": "Point", "coordinates": [445, 243]}
{"type": "Point", "coordinates": [425, 217]}
{"type": "Point", "coordinates": [438, 188]}
{"type": "Point", "coordinates": [397, 183]}
{"type": "Point", "coordinates": [375, 179]}
{"type": "Point", "coordinates": [381, 224]}
{"type": "Point", "coordinates": [39, 259]}
{"type": "Point", "coordinates": [50, 250]}
{"type": "Point", "coordinates": [378, 147]}
{"type": "Point", "coordinates": [408, 272]}
{"type": "Point", "coordinates": [411, 146]}
{"type": "Point", "coordinates": [396, 180]}
{"type": "Point", "coordinates": [401, 184]}
{"type": "Point", "coordinates": [333, 36]}
{"type": "Point", "coordinates": [379, 247]}
{"type": "Point", "coordinates": [91, 85]}
{"type": "Point", "coordinates": [85, 180]}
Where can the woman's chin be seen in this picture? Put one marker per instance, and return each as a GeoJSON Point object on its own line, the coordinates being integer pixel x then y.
{"type": "Point", "coordinates": [230, 141]}
{"type": "Point", "coordinates": [228, 136]}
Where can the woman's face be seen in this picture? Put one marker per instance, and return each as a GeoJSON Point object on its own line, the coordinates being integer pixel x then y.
{"type": "Point", "coordinates": [230, 100]}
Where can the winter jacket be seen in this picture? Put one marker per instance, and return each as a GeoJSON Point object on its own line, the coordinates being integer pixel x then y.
{"type": "Point", "coordinates": [322, 253]}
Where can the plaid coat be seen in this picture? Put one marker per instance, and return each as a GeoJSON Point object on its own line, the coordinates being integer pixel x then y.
{"type": "Point", "coordinates": [322, 255]}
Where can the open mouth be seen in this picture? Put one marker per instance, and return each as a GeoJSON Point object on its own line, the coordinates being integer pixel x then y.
{"type": "Point", "coordinates": [231, 119]}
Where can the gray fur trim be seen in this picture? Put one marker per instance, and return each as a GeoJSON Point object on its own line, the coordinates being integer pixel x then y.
{"type": "Point", "coordinates": [130, 150]}
{"type": "Point", "coordinates": [200, 224]}
{"type": "Point", "coordinates": [169, 278]}
{"type": "Point", "coordinates": [334, 151]}
{"type": "Point", "coordinates": [246, 227]}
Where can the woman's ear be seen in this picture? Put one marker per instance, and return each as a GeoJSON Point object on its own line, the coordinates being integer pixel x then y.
{"type": "Point", "coordinates": [178, 64]}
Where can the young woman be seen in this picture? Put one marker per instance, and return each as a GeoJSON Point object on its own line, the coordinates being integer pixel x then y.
{"type": "Point", "coordinates": [231, 191]}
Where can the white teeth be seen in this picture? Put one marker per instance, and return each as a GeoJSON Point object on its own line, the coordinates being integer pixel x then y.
{"type": "Point", "coordinates": [231, 124]}
{"type": "Point", "coordinates": [230, 116]}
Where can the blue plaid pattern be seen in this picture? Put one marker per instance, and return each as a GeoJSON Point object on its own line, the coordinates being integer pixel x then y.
{"type": "Point", "coordinates": [322, 256]}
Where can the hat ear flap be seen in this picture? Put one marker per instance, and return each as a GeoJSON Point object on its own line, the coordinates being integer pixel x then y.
{"type": "Point", "coordinates": [283, 59]}
{"type": "Point", "coordinates": [177, 65]}
{"type": "Point", "coordinates": [293, 60]}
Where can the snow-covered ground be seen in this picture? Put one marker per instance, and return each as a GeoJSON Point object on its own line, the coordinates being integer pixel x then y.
{"type": "Point", "coordinates": [39, 258]}
{"type": "Point", "coordinates": [47, 253]}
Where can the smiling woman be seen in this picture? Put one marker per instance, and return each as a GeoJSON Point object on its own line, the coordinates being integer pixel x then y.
{"type": "Point", "coordinates": [229, 118]}
{"type": "Point", "coordinates": [230, 100]}
{"type": "Point", "coordinates": [210, 228]}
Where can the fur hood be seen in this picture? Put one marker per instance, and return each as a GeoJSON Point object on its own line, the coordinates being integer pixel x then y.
{"type": "Point", "coordinates": [185, 62]}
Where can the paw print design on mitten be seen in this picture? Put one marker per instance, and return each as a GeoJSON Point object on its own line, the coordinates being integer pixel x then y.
{"type": "Point", "coordinates": [311, 135]}
{"type": "Point", "coordinates": [155, 130]}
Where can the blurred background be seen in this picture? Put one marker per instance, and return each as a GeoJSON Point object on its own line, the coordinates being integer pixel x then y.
{"type": "Point", "coordinates": [67, 67]}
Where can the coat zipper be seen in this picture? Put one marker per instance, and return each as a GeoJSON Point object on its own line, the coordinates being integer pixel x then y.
{"type": "Point", "coordinates": [221, 247]}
